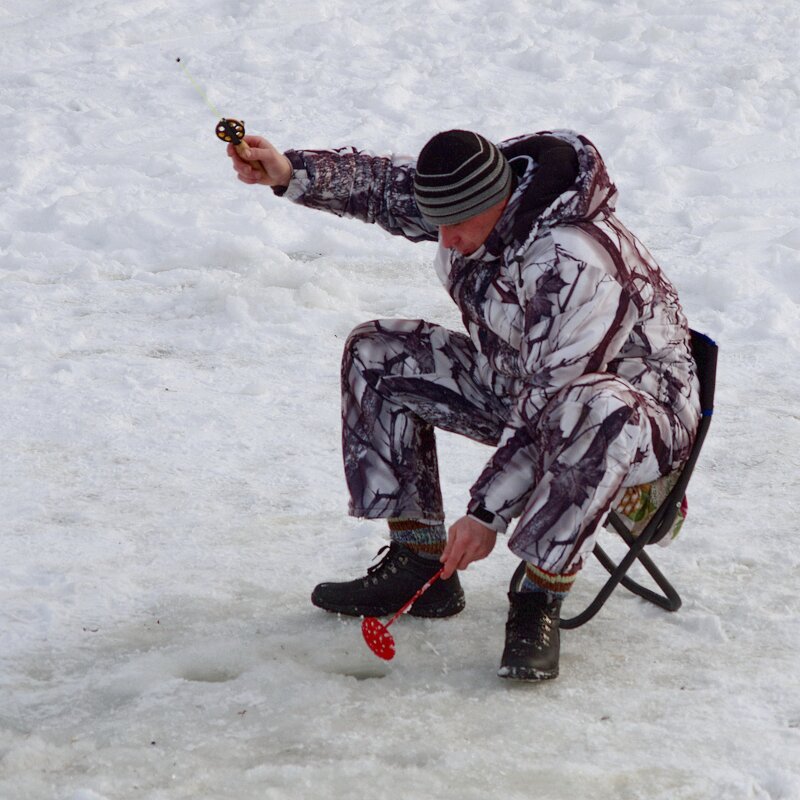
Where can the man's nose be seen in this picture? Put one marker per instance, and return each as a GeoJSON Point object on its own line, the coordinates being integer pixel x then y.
{"type": "Point", "coordinates": [448, 238]}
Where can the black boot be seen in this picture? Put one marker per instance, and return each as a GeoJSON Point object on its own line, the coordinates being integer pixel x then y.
{"type": "Point", "coordinates": [389, 585]}
{"type": "Point", "coordinates": [532, 640]}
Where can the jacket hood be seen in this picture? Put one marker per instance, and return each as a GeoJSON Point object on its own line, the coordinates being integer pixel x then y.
{"type": "Point", "coordinates": [561, 180]}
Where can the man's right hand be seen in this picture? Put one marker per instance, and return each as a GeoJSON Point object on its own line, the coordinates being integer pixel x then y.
{"type": "Point", "coordinates": [259, 162]}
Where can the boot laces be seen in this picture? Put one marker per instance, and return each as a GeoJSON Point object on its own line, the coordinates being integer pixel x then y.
{"type": "Point", "coordinates": [530, 626]}
{"type": "Point", "coordinates": [384, 566]}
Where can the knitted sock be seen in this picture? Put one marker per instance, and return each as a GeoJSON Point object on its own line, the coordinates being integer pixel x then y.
{"type": "Point", "coordinates": [555, 586]}
{"type": "Point", "coordinates": [423, 538]}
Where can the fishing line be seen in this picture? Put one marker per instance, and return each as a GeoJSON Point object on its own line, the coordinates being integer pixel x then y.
{"type": "Point", "coordinates": [228, 129]}
{"type": "Point", "coordinates": [198, 88]}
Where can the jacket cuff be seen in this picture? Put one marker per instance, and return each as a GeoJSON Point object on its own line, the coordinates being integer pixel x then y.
{"type": "Point", "coordinates": [299, 183]}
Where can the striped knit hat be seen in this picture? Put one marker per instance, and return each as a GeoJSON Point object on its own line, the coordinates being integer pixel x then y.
{"type": "Point", "coordinates": [459, 174]}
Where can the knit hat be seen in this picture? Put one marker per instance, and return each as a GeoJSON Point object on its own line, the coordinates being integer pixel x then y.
{"type": "Point", "coordinates": [459, 174]}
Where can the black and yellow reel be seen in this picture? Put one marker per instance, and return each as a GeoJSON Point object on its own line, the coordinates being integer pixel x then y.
{"type": "Point", "coordinates": [230, 130]}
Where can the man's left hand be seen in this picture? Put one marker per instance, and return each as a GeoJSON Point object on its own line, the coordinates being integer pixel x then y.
{"type": "Point", "coordinates": [467, 541]}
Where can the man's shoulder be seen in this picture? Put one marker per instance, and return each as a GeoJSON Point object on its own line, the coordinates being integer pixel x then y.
{"type": "Point", "coordinates": [568, 242]}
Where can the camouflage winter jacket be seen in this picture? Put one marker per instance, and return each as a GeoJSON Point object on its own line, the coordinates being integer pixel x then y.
{"type": "Point", "coordinates": [559, 289]}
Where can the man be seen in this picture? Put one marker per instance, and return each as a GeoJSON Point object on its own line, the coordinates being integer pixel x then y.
{"type": "Point", "coordinates": [575, 367]}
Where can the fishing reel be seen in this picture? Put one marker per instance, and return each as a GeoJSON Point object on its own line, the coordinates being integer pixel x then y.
{"type": "Point", "coordinates": [230, 130]}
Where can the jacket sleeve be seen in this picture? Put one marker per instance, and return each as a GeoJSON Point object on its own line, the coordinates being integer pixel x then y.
{"type": "Point", "coordinates": [577, 316]}
{"type": "Point", "coordinates": [352, 183]}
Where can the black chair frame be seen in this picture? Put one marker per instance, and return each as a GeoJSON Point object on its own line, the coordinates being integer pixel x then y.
{"type": "Point", "coordinates": [704, 351]}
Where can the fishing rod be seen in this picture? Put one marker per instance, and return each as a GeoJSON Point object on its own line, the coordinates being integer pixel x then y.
{"type": "Point", "coordinates": [227, 129]}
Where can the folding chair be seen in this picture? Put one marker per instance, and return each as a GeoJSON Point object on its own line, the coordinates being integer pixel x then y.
{"type": "Point", "coordinates": [704, 350]}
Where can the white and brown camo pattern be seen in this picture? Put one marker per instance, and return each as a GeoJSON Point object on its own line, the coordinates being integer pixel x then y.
{"type": "Point", "coordinates": [575, 366]}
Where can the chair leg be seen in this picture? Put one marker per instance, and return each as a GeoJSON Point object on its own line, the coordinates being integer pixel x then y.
{"type": "Point", "coordinates": [669, 601]}
{"type": "Point", "coordinates": [617, 572]}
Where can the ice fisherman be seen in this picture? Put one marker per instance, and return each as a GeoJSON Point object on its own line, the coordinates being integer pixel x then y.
{"type": "Point", "coordinates": [574, 367]}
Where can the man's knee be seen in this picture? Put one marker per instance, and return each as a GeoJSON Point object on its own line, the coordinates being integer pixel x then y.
{"type": "Point", "coordinates": [383, 346]}
{"type": "Point", "coordinates": [383, 333]}
{"type": "Point", "coordinates": [591, 398]}
{"type": "Point", "coordinates": [362, 331]}
{"type": "Point", "coordinates": [365, 335]}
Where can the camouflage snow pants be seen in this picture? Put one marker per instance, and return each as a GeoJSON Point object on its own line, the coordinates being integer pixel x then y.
{"type": "Point", "coordinates": [561, 470]}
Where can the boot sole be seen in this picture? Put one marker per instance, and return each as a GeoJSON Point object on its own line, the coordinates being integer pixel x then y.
{"type": "Point", "coordinates": [448, 609]}
{"type": "Point", "coordinates": [526, 674]}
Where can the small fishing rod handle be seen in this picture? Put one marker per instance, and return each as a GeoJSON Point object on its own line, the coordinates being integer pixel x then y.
{"type": "Point", "coordinates": [232, 131]}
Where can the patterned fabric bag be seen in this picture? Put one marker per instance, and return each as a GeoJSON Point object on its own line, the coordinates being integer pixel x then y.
{"type": "Point", "coordinates": [639, 503]}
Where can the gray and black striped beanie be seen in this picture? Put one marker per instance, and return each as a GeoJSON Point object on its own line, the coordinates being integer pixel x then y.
{"type": "Point", "coordinates": [459, 174]}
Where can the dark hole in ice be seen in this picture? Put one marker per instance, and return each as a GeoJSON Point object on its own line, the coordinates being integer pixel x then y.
{"type": "Point", "coordinates": [365, 674]}
{"type": "Point", "coordinates": [209, 675]}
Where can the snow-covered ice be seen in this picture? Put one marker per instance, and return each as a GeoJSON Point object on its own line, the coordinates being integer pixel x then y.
{"type": "Point", "coordinates": [169, 350]}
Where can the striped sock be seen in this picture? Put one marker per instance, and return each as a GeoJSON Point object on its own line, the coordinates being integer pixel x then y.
{"type": "Point", "coordinates": [423, 538]}
{"type": "Point", "coordinates": [555, 586]}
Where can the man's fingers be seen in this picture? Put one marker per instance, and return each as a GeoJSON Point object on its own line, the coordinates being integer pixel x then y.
{"type": "Point", "coordinates": [450, 558]}
{"type": "Point", "coordinates": [448, 548]}
{"type": "Point", "coordinates": [257, 154]}
{"type": "Point", "coordinates": [457, 554]}
{"type": "Point", "coordinates": [249, 179]}
{"type": "Point", "coordinates": [451, 565]}
{"type": "Point", "coordinates": [253, 140]}
{"type": "Point", "coordinates": [467, 541]}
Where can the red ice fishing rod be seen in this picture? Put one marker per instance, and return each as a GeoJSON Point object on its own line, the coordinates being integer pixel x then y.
{"type": "Point", "coordinates": [377, 635]}
{"type": "Point", "coordinates": [228, 129]}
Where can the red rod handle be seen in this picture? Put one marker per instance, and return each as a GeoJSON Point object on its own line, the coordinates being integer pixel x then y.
{"type": "Point", "coordinates": [422, 589]}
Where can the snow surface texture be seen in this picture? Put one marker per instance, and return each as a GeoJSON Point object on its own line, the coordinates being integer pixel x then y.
{"type": "Point", "coordinates": [169, 353]}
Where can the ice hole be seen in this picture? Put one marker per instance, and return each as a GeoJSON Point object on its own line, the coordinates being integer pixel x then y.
{"type": "Point", "coordinates": [209, 674]}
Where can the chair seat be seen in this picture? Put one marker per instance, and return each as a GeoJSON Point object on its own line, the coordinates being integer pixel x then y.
{"type": "Point", "coordinates": [638, 505]}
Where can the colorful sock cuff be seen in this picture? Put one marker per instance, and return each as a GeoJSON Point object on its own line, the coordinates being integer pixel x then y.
{"type": "Point", "coordinates": [419, 537]}
{"type": "Point", "coordinates": [403, 524]}
{"type": "Point", "coordinates": [539, 580]}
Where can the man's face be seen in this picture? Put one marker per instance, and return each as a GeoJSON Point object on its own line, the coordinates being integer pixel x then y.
{"type": "Point", "coordinates": [467, 236]}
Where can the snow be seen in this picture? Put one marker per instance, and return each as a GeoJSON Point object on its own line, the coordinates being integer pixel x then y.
{"type": "Point", "coordinates": [169, 354]}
